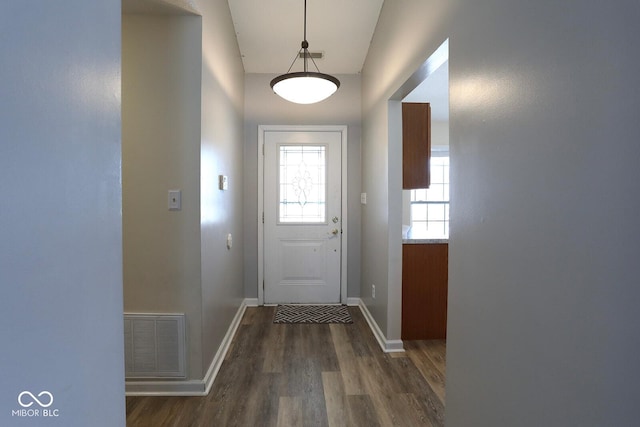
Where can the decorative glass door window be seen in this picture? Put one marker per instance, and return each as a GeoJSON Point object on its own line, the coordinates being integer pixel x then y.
{"type": "Point", "coordinates": [302, 184]}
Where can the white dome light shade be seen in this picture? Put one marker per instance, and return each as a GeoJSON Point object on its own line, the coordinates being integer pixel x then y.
{"type": "Point", "coordinates": [305, 87]}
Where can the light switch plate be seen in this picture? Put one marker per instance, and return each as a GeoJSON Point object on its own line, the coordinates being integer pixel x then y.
{"type": "Point", "coordinates": [363, 198]}
{"type": "Point", "coordinates": [223, 182]}
{"type": "Point", "coordinates": [175, 200]}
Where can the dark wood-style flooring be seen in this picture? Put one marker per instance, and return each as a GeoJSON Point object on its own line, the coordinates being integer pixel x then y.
{"type": "Point", "coordinates": [309, 375]}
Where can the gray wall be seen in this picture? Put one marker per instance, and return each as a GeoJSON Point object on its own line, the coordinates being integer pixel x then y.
{"type": "Point", "coordinates": [61, 237]}
{"type": "Point", "coordinates": [263, 107]}
{"type": "Point", "coordinates": [161, 64]}
{"type": "Point", "coordinates": [545, 215]}
{"type": "Point", "coordinates": [183, 100]}
{"type": "Point", "coordinates": [221, 212]}
{"type": "Point", "coordinates": [544, 232]}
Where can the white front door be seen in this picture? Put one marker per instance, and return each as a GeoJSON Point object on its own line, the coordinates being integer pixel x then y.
{"type": "Point", "coordinates": [302, 223]}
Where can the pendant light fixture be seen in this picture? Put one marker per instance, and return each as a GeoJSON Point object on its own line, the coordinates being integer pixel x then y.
{"type": "Point", "coordinates": [305, 87]}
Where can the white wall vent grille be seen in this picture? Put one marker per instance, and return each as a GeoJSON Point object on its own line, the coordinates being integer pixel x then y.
{"type": "Point", "coordinates": [154, 345]}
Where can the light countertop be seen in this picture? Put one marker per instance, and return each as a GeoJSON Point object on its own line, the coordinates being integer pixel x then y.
{"type": "Point", "coordinates": [415, 237]}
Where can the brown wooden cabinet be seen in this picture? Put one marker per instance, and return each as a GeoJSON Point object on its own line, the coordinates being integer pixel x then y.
{"type": "Point", "coordinates": [425, 276]}
{"type": "Point", "coordinates": [416, 145]}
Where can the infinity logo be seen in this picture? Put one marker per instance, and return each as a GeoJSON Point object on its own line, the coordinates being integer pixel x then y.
{"type": "Point", "coordinates": [35, 399]}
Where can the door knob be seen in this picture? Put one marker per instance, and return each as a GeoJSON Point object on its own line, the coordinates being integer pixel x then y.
{"type": "Point", "coordinates": [335, 231]}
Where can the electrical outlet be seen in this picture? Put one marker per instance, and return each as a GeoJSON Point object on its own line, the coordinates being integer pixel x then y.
{"type": "Point", "coordinates": [373, 291]}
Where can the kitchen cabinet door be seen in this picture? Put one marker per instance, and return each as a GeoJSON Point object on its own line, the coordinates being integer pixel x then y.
{"type": "Point", "coordinates": [416, 145]}
{"type": "Point", "coordinates": [425, 276]}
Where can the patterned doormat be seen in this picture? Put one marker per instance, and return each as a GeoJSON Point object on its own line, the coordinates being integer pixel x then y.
{"type": "Point", "coordinates": [312, 314]}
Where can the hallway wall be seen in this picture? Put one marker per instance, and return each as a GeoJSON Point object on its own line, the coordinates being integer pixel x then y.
{"type": "Point", "coordinates": [544, 231]}
{"type": "Point", "coordinates": [161, 61]}
{"type": "Point", "coordinates": [183, 100]}
{"type": "Point", "coordinates": [221, 212]}
{"type": "Point", "coordinates": [61, 323]}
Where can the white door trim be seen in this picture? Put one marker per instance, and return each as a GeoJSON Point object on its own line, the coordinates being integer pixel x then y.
{"type": "Point", "coordinates": [260, 152]}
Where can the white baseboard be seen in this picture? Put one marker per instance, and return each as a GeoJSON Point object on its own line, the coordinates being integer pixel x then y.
{"type": "Point", "coordinates": [388, 346]}
{"type": "Point", "coordinates": [214, 368]}
{"type": "Point", "coordinates": [353, 301]}
{"type": "Point", "coordinates": [192, 387]}
{"type": "Point", "coordinates": [251, 302]}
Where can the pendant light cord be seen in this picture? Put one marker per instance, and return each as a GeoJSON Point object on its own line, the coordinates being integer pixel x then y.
{"type": "Point", "coordinates": [305, 47]}
{"type": "Point", "coordinates": [305, 43]}
{"type": "Point", "coordinates": [305, 20]}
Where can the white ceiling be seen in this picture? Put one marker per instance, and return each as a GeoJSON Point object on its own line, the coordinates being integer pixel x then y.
{"type": "Point", "coordinates": [269, 35]}
{"type": "Point", "coordinates": [434, 90]}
